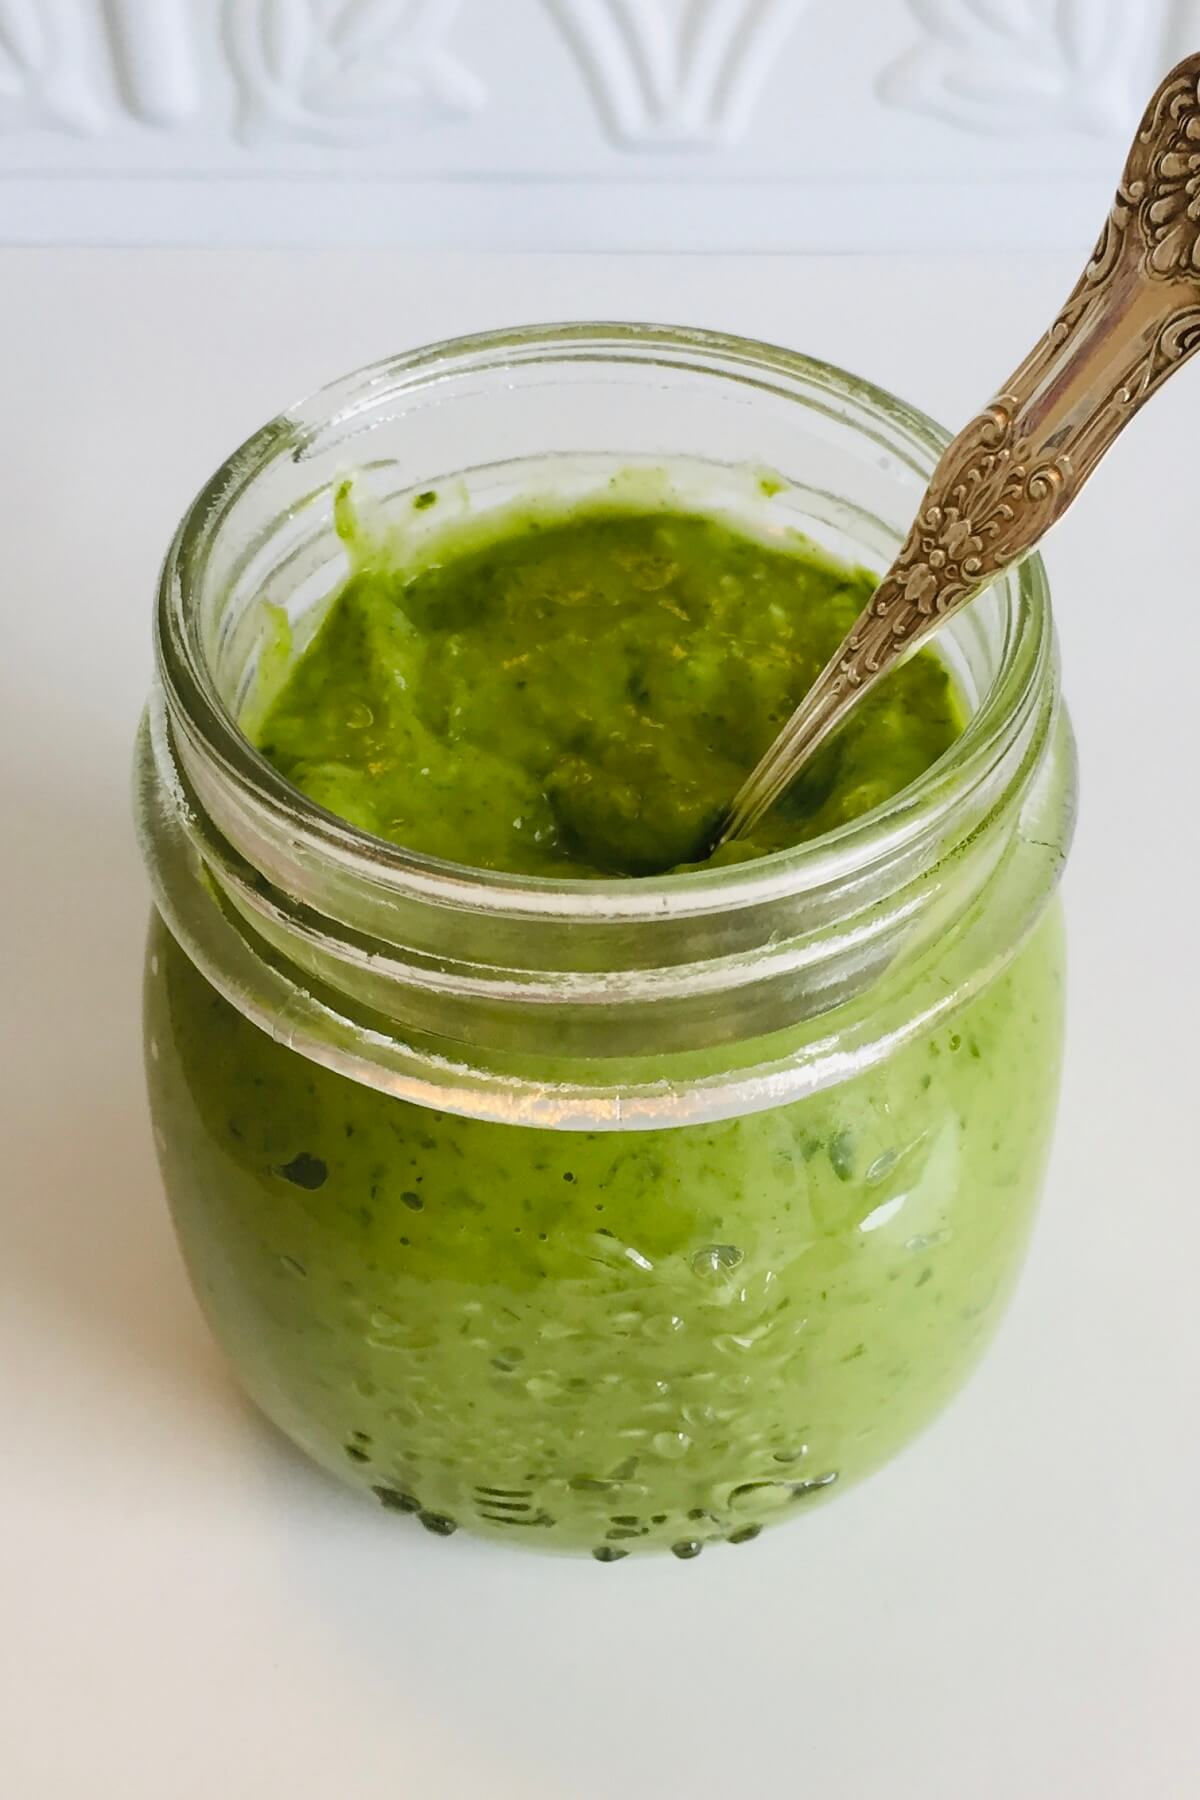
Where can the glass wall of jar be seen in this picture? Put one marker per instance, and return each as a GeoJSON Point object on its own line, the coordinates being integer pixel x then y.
{"type": "Point", "coordinates": [597, 1215]}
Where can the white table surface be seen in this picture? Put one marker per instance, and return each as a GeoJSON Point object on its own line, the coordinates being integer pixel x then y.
{"type": "Point", "coordinates": [187, 1611]}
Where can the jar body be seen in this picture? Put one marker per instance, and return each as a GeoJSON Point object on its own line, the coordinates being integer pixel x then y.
{"type": "Point", "coordinates": [596, 1215]}
{"type": "Point", "coordinates": [605, 1341]}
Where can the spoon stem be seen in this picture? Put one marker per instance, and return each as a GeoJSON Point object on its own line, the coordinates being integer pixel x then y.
{"type": "Point", "coordinates": [1131, 320]}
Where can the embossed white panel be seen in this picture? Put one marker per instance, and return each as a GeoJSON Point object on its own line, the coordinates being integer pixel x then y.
{"type": "Point", "coordinates": [347, 74]}
{"type": "Point", "coordinates": [677, 71]}
{"type": "Point", "coordinates": [730, 124]}
{"type": "Point", "coordinates": [1001, 66]}
{"type": "Point", "coordinates": [46, 68]}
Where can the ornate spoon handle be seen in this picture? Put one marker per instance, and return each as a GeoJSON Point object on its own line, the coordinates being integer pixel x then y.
{"type": "Point", "coordinates": [1132, 319]}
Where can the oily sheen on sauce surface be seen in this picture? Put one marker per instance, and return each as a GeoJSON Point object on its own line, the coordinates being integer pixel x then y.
{"type": "Point", "coordinates": [582, 695]}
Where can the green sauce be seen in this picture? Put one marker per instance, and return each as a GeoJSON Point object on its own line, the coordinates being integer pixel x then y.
{"type": "Point", "coordinates": [599, 1341]}
{"type": "Point", "coordinates": [582, 696]}
{"type": "Point", "coordinates": [604, 1341]}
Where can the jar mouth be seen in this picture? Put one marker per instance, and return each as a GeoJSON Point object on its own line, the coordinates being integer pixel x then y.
{"type": "Point", "coordinates": [200, 717]}
{"type": "Point", "coordinates": [582, 1003]}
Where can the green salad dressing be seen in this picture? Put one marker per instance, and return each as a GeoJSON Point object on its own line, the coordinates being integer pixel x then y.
{"type": "Point", "coordinates": [580, 696]}
{"type": "Point", "coordinates": [604, 1341]}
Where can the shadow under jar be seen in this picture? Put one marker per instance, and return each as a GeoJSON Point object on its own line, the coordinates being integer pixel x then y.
{"type": "Point", "coordinates": [615, 1215]}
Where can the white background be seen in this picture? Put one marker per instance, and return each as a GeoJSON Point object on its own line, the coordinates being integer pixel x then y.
{"type": "Point", "coordinates": [187, 1611]}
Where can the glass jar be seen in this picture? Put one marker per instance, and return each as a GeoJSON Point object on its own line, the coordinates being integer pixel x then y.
{"type": "Point", "coordinates": [596, 1215]}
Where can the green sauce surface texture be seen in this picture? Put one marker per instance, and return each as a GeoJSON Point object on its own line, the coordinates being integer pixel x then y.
{"type": "Point", "coordinates": [581, 696]}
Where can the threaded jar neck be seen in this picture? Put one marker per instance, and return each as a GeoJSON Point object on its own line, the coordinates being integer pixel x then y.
{"type": "Point", "coordinates": [587, 1003]}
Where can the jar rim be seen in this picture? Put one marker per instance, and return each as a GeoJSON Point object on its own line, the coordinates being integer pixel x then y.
{"type": "Point", "coordinates": [195, 705]}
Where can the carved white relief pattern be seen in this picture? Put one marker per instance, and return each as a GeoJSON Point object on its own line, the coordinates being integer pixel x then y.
{"type": "Point", "coordinates": [347, 71]}
{"type": "Point", "coordinates": [677, 72]}
{"type": "Point", "coordinates": [43, 77]}
{"type": "Point", "coordinates": [663, 74]}
{"type": "Point", "coordinates": [997, 66]}
{"type": "Point", "coordinates": [154, 58]}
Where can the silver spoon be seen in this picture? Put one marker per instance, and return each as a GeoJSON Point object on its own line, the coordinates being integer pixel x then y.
{"type": "Point", "coordinates": [1133, 318]}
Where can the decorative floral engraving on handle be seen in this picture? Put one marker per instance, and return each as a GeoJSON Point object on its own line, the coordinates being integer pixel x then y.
{"type": "Point", "coordinates": [977, 517]}
{"type": "Point", "coordinates": [1170, 203]}
{"type": "Point", "coordinates": [1132, 318]}
{"type": "Point", "coordinates": [347, 71]}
